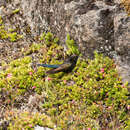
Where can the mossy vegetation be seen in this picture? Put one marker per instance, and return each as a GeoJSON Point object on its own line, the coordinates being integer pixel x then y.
{"type": "Point", "coordinates": [10, 34]}
{"type": "Point", "coordinates": [16, 11]}
{"type": "Point", "coordinates": [27, 120]}
{"type": "Point", "coordinates": [72, 48]}
{"type": "Point", "coordinates": [91, 96]}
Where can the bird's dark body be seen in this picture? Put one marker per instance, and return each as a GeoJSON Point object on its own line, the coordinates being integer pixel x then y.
{"type": "Point", "coordinates": [67, 66]}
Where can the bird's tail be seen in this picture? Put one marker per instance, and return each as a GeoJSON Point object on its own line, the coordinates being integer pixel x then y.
{"type": "Point", "coordinates": [47, 65]}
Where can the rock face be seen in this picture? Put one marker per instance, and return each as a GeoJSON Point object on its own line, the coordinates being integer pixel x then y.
{"type": "Point", "coordinates": [100, 25]}
{"type": "Point", "coordinates": [122, 43]}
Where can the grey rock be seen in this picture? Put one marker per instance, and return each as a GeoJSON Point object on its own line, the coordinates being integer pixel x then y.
{"type": "Point", "coordinates": [41, 128]}
{"type": "Point", "coordinates": [122, 44]}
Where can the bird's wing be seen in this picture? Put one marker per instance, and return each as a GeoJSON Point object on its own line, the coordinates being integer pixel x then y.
{"type": "Point", "coordinates": [62, 67]}
{"type": "Point", "coordinates": [47, 65]}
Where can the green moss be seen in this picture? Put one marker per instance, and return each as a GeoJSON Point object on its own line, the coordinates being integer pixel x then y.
{"type": "Point", "coordinates": [16, 11]}
{"type": "Point", "coordinates": [3, 32]}
{"type": "Point", "coordinates": [8, 34]}
{"type": "Point", "coordinates": [1, 21]}
{"type": "Point", "coordinates": [34, 48]}
{"type": "Point", "coordinates": [49, 38]}
{"type": "Point", "coordinates": [72, 48]}
{"type": "Point", "coordinates": [13, 37]}
{"type": "Point", "coordinates": [28, 120]}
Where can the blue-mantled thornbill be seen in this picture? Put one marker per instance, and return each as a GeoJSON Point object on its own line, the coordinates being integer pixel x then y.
{"type": "Point", "coordinates": [67, 66]}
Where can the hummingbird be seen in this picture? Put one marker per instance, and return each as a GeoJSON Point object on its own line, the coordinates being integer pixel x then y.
{"type": "Point", "coordinates": [67, 65]}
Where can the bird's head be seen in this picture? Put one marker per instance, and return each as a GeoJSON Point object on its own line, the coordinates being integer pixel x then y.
{"type": "Point", "coordinates": [73, 58]}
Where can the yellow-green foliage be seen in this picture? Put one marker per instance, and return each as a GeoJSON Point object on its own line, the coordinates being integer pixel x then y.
{"type": "Point", "coordinates": [72, 48]}
{"type": "Point", "coordinates": [16, 11]}
{"type": "Point", "coordinates": [1, 21]}
{"type": "Point", "coordinates": [33, 48]}
{"type": "Point", "coordinates": [85, 98]}
{"type": "Point", "coordinates": [49, 38]}
{"type": "Point", "coordinates": [28, 121]}
{"type": "Point", "coordinates": [8, 34]}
